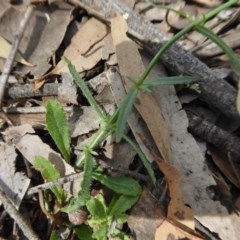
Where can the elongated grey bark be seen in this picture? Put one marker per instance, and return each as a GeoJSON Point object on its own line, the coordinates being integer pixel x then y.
{"type": "Point", "coordinates": [215, 91]}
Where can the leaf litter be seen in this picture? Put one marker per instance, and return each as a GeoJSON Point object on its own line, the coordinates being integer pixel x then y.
{"type": "Point", "coordinates": [158, 122]}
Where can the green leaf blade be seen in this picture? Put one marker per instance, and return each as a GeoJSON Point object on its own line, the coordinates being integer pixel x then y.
{"type": "Point", "coordinates": [49, 173]}
{"type": "Point", "coordinates": [122, 204]}
{"type": "Point", "coordinates": [120, 184]}
{"type": "Point", "coordinates": [169, 81]}
{"type": "Point", "coordinates": [57, 125]}
{"type": "Point", "coordinates": [86, 92]}
{"type": "Point", "coordinates": [97, 207]}
{"type": "Point", "coordinates": [125, 109]}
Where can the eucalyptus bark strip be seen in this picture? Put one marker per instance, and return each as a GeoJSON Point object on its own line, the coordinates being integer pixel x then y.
{"type": "Point", "coordinates": [214, 90]}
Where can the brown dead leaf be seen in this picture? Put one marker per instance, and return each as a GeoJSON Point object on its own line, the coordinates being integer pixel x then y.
{"type": "Point", "coordinates": [41, 37]}
{"type": "Point", "coordinates": [177, 210]}
{"type": "Point", "coordinates": [5, 48]}
{"type": "Point", "coordinates": [30, 146]}
{"type": "Point", "coordinates": [209, 3]}
{"type": "Point", "coordinates": [146, 216]}
{"type": "Point", "coordinates": [172, 230]}
{"type": "Point", "coordinates": [14, 184]}
{"type": "Point", "coordinates": [85, 50]}
{"type": "Point", "coordinates": [83, 121]}
{"type": "Point", "coordinates": [231, 171]}
{"type": "Point", "coordinates": [130, 64]}
{"type": "Point", "coordinates": [175, 20]}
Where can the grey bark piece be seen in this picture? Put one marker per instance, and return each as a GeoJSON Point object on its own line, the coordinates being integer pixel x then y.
{"type": "Point", "coordinates": [214, 90]}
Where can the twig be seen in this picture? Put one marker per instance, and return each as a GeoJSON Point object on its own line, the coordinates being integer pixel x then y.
{"type": "Point", "coordinates": [9, 62]}
{"type": "Point", "coordinates": [59, 181]}
{"type": "Point", "coordinates": [21, 222]}
{"type": "Point", "coordinates": [214, 90]}
{"type": "Point", "coordinates": [225, 141]}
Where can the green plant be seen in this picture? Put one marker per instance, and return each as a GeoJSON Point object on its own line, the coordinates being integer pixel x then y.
{"type": "Point", "coordinates": [126, 189]}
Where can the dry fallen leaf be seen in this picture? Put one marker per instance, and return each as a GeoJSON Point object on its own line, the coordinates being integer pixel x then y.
{"type": "Point", "coordinates": [146, 216]}
{"type": "Point", "coordinates": [14, 184]}
{"type": "Point", "coordinates": [30, 146]}
{"type": "Point", "coordinates": [41, 37]}
{"type": "Point", "coordinates": [172, 230]}
{"type": "Point", "coordinates": [5, 48]}
{"type": "Point", "coordinates": [85, 49]}
{"type": "Point", "coordinates": [177, 210]}
{"type": "Point", "coordinates": [83, 121]}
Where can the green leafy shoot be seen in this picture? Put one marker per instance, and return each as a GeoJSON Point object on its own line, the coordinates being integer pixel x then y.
{"type": "Point", "coordinates": [84, 193]}
{"type": "Point", "coordinates": [58, 128]}
{"type": "Point", "coordinates": [99, 220]}
{"type": "Point", "coordinates": [82, 85]}
{"type": "Point", "coordinates": [50, 173]}
{"type": "Point", "coordinates": [143, 158]}
{"type": "Point", "coordinates": [119, 184]}
{"type": "Point", "coordinates": [103, 216]}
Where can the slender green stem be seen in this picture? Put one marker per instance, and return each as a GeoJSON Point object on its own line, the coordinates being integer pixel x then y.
{"type": "Point", "coordinates": [191, 26]}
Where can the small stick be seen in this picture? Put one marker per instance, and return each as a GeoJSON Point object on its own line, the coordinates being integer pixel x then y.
{"type": "Point", "coordinates": [66, 179]}
{"type": "Point", "coordinates": [18, 218]}
{"type": "Point", "coordinates": [9, 62]}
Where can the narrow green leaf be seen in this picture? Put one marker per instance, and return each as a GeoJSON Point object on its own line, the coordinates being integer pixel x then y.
{"type": "Point", "coordinates": [53, 236]}
{"type": "Point", "coordinates": [83, 232]}
{"type": "Point", "coordinates": [49, 173]}
{"type": "Point", "coordinates": [97, 207]}
{"type": "Point", "coordinates": [57, 125]}
{"type": "Point", "coordinates": [122, 204]}
{"type": "Point", "coordinates": [83, 86]}
{"type": "Point", "coordinates": [209, 34]}
{"type": "Point", "coordinates": [84, 194]}
{"type": "Point", "coordinates": [169, 80]}
{"type": "Point", "coordinates": [125, 109]}
{"type": "Point", "coordinates": [119, 184]}
{"type": "Point", "coordinates": [143, 158]}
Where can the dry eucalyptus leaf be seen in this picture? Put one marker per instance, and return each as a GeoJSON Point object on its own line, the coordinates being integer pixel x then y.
{"type": "Point", "coordinates": [145, 216]}
{"type": "Point", "coordinates": [171, 230]}
{"type": "Point", "coordinates": [85, 49]}
{"type": "Point", "coordinates": [14, 184]}
{"type": "Point", "coordinates": [5, 48]}
{"type": "Point", "coordinates": [177, 210]}
{"type": "Point", "coordinates": [83, 121]}
{"type": "Point", "coordinates": [42, 36]}
{"type": "Point", "coordinates": [31, 145]}
{"type": "Point", "coordinates": [67, 91]}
